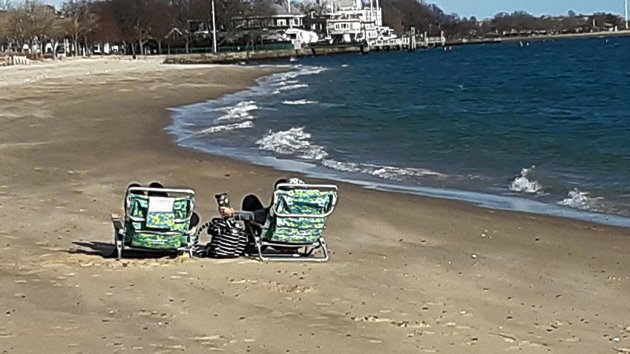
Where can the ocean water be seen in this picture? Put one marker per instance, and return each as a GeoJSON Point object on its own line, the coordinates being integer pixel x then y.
{"type": "Point", "coordinates": [543, 127]}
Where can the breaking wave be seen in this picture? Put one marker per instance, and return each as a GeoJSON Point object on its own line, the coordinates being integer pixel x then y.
{"type": "Point", "coordinates": [391, 173]}
{"type": "Point", "coordinates": [297, 142]}
{"type": "Point", "coordinates": [283, 82]}
{"type": "Point", "coordinates": [240, 111]}
{"type": "Point", "coordinates": [227, 127]}
{"type": "Point", "coordinates": [577, 199]}
{"type": "Point", "coordinates": [292, 87]}
{"type": "Point", "coordinates": [294, 141]}
{"type": "Point", "coordinates": [523, 184]}
{"type": "Point", "coordinates": [299, 102]}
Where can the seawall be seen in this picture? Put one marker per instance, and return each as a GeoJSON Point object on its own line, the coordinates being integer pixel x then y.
{"type": "Point", "coordinates": [234, 57]}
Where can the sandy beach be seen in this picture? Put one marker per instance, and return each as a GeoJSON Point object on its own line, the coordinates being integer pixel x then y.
{"type": "Point", "coordinates": [407, 274]}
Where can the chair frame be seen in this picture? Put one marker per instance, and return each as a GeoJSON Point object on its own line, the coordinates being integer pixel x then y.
{"type": "Point", "coordinates": [309, 248]}
{"type": "Point", "coordinates": [120, 233]}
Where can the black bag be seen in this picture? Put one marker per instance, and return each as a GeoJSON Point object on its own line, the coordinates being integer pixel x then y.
{"type": "Point", "coordinates": [229, 239]}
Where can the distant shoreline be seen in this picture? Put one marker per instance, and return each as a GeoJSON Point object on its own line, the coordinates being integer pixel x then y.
{"type": "Point", "coordinates": [623, 33]}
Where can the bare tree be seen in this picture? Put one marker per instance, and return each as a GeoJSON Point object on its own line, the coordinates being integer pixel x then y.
{"type": "Point", "coordinates": [160, 21]}
{"type": "Point", "coordinates": [132, 21]}
{"type": "Point", "coordinates": [80, 20]}
{"type": "Point", "coordinates": [107, 29]}
{"type": "Point", "coordinates": [30, 22]}
{"type": "Point", "coordinates": [401, 14]}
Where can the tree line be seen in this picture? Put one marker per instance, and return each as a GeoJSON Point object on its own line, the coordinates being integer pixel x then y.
{"type": "Point", "coordinates": [133, 23]}
{"type": "Point", "coordinates": [402, 14]}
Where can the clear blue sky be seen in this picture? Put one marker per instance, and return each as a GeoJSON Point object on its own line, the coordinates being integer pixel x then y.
{"type": "Point", "coordinates": [488, 8]}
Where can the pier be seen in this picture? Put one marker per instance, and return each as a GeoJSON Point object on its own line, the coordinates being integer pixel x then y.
{"type": "Point", "coordinates": [411, 41]}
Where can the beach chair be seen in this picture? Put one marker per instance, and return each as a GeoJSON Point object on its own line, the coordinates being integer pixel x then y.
{"type": "Point", "coordinates": [156, 219]}
{"type": "Point", "coordinates": [297, 218]}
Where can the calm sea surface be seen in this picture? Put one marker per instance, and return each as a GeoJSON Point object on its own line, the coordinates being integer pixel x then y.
{"type": "Point", "coordinates": [543, 127]}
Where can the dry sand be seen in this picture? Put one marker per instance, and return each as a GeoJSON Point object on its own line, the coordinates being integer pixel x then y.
{"type": "Point", "coordinates": [407, 274]}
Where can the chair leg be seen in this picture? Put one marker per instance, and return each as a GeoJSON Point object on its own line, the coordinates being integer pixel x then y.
{"type": "Point", "coordinates": [259, 248]}
{"type": "Point", "coordinates": [191, 249]}
{"type": "Point", "coordinates": [322, 242]}
{"type": "Point", "coordinates": [119, 249]}
{"type": "Point", "coordinates": [119, 235]}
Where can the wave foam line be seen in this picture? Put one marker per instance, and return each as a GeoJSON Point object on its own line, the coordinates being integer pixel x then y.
{"type": "Point", "coordinates": [391, 173]}
{"type": "Point", "coordinates": [240, 111]}
{"type": "Point", "coordinates": [299, 102]}
{"type": "Point", "coordinates": [227, 127]}
{"type": "Point", "coordinates": [294, 141]}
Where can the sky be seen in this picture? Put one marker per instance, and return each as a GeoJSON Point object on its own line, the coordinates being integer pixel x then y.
{"type": "Point", "coordinates": [488, 8]}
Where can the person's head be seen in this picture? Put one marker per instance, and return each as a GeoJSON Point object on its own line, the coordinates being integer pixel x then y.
{"type": "Point", "coordinates": [280, 181]}
{"type": "Point", "coordinates": [157, 185]}
{"type": "Point", "coordinates": [132, 185]}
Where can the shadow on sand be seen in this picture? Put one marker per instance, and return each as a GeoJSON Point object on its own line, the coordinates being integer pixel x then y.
{"type": "Point", "coordinates": [108, 251]}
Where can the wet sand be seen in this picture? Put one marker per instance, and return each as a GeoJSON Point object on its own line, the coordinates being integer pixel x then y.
{"type": "Point", "coordinates": [407, 273]}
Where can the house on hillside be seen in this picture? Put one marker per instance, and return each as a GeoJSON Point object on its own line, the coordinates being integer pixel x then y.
{"type": "Point", "coordinates": [285, 24]}
{"type": "Point", "coordinates": [352, 21]}
{"type": "Point", "coordinates": [281, 19]}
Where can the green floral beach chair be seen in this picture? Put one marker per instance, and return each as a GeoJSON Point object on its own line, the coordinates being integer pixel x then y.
{"type": "Point", "coordinates": [296, 221]}
{"type": "Point", "coordinates": [156, 223]}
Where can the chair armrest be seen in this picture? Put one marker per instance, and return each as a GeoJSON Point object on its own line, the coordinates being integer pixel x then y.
{"type": "Point", "coordinates": [136, 218]}
{"type": "Point", "coordinates": [182, 220]}
{"type": "Point", "coordinates": [313, 216]}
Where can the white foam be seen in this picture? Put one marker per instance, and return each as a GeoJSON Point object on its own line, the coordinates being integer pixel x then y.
{"type": "Point", "coordinates": [292, 142]}
{"type": "Point", "coordinates": [227, 127]}
{"type": "Point", "coordinates": [522, 184]}
{"type": "Point", "coordinates": [398, 173]}
{"type": "Point", "coordinates": [292, 87]}
{"type": "Point", "coordinates": [577, 199]}
{"type": "Point", "coordinates": [342, 166]}
{"type": "Point", "coordinates": [285, 82]}
{"type": "Point", "coordinates": [239, 112]}
{"type": "Point", "coordinates": [391, 173]}
{"type": "Point", "coordinates": [299, 102]}
{"type": "Point", "coordinates": [300, 71]}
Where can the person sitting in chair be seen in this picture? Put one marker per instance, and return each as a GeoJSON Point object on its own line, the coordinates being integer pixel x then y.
{"type": "Point", "coordinates": [254, 214]}
{"type": "Point", "coordinates": [252, 208]}
{"type": "Point", "coordinates": [194, 218]}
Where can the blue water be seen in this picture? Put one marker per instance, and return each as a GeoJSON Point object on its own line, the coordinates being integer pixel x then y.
{"type": "Point", "coordinates": [542, 128]}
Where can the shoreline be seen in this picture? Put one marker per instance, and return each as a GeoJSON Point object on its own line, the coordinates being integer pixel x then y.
{"type": "Point", "coordinates": [515, 203]}
{"type": "Point", "coordinates": [407, 273]}
{"type": "Point", "coordinates": [498, 40]}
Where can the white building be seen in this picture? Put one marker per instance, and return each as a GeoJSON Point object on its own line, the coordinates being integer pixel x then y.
{"type": "Point", "coordinates": [352, 21]}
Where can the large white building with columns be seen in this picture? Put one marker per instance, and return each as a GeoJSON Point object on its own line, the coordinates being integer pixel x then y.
{"type": "Point", "coordinates": [352, 21]}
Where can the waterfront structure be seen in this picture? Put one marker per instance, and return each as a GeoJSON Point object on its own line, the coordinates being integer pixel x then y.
{"type": "Point", "coordinates": [337, 21]}
{"type": "Point", "coordinates": [352, 21]}
{"type": "Point", "coordinates": [281, 19]}
{"type": "Point", "coordinates": [284, 25]}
